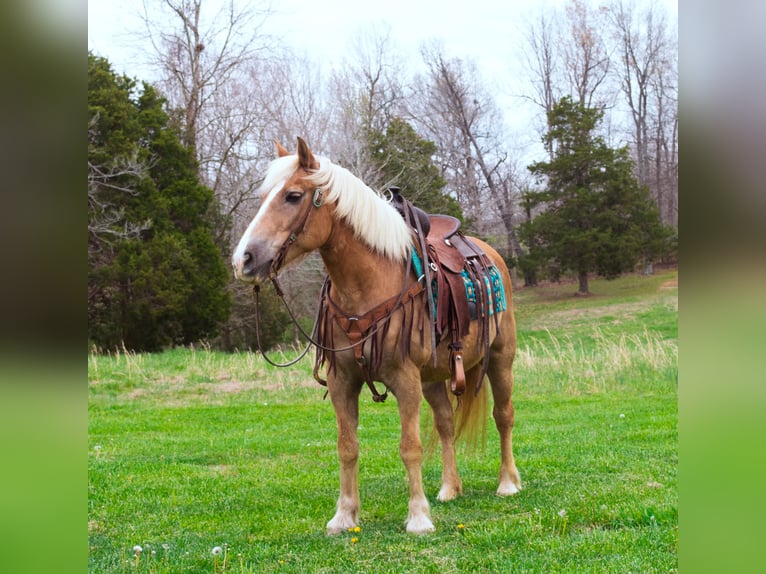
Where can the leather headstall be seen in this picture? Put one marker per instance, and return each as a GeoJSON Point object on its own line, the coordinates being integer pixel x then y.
{"type": "Point", "coordinates": [279, 258]}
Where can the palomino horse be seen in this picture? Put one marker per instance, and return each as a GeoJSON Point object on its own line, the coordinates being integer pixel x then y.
{"type": "Point", "coordinates": [308, 204]}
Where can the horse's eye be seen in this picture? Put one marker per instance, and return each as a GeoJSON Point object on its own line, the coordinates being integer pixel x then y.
{"type": "Point", "coordinates": [293, 196]}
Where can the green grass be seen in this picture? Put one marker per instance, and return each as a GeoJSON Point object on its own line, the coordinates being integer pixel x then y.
{"type": "Point", "coordinates": [192, 449]}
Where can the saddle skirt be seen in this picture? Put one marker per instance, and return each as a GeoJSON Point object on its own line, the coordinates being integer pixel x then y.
{"type": "Point", "coordinates": [466, 287]}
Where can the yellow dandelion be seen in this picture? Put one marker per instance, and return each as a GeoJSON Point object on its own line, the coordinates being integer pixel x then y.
{"type": "Point", "coordinates": [354, 540]}
{"type": "Point", "coordinates": [357, 529]}
{"type": "Point", "coordinates": [460, 526]}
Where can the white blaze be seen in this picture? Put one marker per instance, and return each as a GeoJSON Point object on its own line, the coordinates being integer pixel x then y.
{"type": "Point", "coordinates": [238, 258]}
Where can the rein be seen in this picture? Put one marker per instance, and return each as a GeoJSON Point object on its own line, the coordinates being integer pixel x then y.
{"type": "Point", "coordinates": [351, 327]}
{"type": "Point", "coordinates": [310, 338]}
{"type": "Point", "coordinates": [257, 292]}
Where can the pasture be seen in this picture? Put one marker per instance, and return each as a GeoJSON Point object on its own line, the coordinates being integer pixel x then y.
{"type": "Point", "coordinates": [192, 451]}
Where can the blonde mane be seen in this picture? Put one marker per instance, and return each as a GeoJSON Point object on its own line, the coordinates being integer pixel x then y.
{"type": "Point", "coordinates": [373, 219]}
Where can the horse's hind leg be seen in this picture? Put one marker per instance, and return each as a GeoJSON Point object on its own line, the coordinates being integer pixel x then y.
{"type": "Point", "coordinates": [436, 395]}
{"type": "Point", "coordinates": [501, 380]}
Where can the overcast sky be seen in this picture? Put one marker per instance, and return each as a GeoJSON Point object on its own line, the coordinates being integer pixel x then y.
{"type": "Point", "coordinates": [480, 28]}
{"type": "Point", "coordinates": [491, 32]}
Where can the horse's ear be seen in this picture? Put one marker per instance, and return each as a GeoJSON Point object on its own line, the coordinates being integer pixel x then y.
{"type": "Point", "coordinates": [306, 159]}
{"type": "Point", "coordinates": [281, 151]}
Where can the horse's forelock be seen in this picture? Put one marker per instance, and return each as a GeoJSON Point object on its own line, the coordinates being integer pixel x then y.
{"type": "Point", "coordinates": [279, 171]}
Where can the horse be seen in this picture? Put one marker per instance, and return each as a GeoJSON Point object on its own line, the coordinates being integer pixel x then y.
{"type": "Point", "coordinates": [308, 204]}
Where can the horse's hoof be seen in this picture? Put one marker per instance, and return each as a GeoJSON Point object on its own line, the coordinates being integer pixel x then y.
{"type": "Point", "coordinates": [447, 493]}
{"type": "Point", "coordinates": [340, 524]}
{"type": "Point", "coordinates": [508, 489]}
{"type": "Point", "coordinates": [420, 525]}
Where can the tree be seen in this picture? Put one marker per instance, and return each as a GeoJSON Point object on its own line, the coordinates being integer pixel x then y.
{"type": "Point", "coordinates": [365, 95]}
{"type": "Point", "coordinates": [218, 67]}
{"type": "Point", "coordinates": [586, 56]}
{"type": "Point", "coordinates": [595, 217]}
{"type": "Point", "coordinates": [159, 282]}
{"type": "Point", "coordinates": [199, 48]}
{"type": "Point", "coordinates": [460, 116]}
{"type": "Point", "coordinates": [403, 158]}
{"type": "Point", "coordinates": [543, 61]}
{"type": "Point", "coordinates": [647, 78]}
{"type": "Point", "coordinates": [211, 58]}
{"type": "Point", "coordinates": [619, 56]}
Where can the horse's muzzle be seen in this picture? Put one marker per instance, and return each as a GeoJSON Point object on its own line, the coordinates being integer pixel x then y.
{"type": "Point", "coordinates": [249, 267]}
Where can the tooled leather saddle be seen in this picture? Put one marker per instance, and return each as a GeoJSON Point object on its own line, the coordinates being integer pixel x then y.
{"type": "Point", "coordinates": [453, 266]}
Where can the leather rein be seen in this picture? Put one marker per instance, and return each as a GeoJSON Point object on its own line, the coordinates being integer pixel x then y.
{"type": "Point", "coordinates": [353, 326]}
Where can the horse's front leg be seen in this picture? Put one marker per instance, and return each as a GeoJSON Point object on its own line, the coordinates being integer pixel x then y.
{"type": "Point", "coordinates": [409, 395]}
{"type": "Point", "coordinates": [345, 399]}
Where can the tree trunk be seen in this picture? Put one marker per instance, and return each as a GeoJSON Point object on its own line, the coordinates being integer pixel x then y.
{"type": "Point", "coordinates": [530, 279]}
{"type": "Point", "coordinates": [583, 278]}
{"type": "Point", "coordinates": [530, 275]}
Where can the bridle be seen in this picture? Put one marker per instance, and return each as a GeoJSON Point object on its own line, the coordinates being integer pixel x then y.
{"type": "Point", "coordinates": [279, 258]}
{"type": "Point", "coordinates": [276, 265]}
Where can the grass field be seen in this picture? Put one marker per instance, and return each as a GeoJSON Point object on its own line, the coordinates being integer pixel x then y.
{"type": "Point", "coordinates": [192, 452]}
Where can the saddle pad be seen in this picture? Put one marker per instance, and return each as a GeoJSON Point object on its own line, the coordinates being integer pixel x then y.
{"type": "Point", "coordinates": [494, 286]}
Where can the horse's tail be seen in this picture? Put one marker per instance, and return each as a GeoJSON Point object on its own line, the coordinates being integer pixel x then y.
{"type": "Point", "coordinates": [471, 411]}
{"type": "Point", "coordinates": [470, 415]}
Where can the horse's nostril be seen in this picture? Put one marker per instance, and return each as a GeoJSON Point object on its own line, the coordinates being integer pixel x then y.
{"type": "Point", "coordinates": [247, 257]}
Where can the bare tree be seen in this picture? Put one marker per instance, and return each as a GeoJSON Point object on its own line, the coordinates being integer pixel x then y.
{"type": "Point", "coordinates": [622, 58]}
{"type": "Point", "coordinates": [199, 48]}
{"type": "Point", "coordinates": [567, 54]}
{"type": "Point", "coordinates": [365, 93]}
{"type": "Point", "coordinates": [298, 107]}
{"type": "Point", "coordinates": [646, 73]}
{"type": "Point", "coordinates": [665, 141]}
{"type": "Point", "coordinates": [543, 61]}
{"type": "Point", "coordinates": [586, 58]}
{"type": "Point", "coordinates": [640, 48]}
{"type": "Point", "coordinates": [204, 52]}
{"type": "Point", "coordinates": [376, 71]}
{"type": "Point", "coordinates": [464, 121]}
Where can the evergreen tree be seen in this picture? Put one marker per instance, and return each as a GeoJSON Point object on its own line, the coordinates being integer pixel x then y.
{"type": "Point", "coordinates": [595, 217]}
{"type": "Point", "coordinates": [404, 159]}
{"type": "Point", "coordinates": [155, 276]}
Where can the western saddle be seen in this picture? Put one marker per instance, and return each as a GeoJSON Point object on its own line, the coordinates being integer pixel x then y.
{"type": "Point", "coordinates": [453, 265]}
